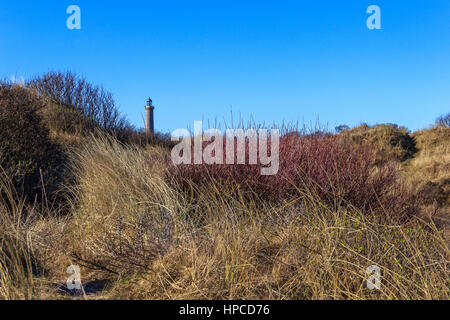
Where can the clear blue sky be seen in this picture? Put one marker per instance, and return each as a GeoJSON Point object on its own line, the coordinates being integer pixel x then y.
{"type": "Point", "coordinates": [275, 60]}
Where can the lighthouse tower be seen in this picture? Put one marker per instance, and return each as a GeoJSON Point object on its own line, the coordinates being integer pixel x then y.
{"type": "Point", "coordinates": [149, 118]}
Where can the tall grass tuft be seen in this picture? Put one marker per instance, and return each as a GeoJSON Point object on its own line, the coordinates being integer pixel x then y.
{"type": "Point", "coordinates": [18, 265]}
{"type": "Point", "coordinates": [122, 205]}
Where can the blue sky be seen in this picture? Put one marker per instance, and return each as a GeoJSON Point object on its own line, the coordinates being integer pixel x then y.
{"type": "Point", "coordinates": [273, 60]}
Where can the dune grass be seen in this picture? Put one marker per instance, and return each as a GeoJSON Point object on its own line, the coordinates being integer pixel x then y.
{"type": "Point", "coordinates": [430, 168]}
{"type": "Point", "coordinates": [211, 243]}
{"type": "Point", "coordinates": [130, 226]}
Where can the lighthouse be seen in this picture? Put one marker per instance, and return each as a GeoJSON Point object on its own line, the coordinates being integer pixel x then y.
{"type": "Point", "coordinates": [149, 118]}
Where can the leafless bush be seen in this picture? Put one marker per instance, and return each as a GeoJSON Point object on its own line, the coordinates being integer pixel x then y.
{"type": "Point", "coordinates": [443, 121]}
{"type": "Point", "coordinates": [74, 92]}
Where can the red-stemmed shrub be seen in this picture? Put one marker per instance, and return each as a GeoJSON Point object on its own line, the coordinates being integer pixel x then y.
{"type": "Point", "coordinates": [326, 166]}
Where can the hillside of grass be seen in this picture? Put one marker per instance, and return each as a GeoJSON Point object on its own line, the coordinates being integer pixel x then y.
{"type": "Point", "coordinates": [430, 168]}
{"type": "Point", "coordinates": [391, 142]}
{"type": "Point", "coordinates": [140, 228]}
{"type": "Point", "coordinates": [423, 156]}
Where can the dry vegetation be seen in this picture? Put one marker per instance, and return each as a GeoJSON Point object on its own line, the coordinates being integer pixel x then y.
{"type": "Point", "coordinates": [139, 230]}
{"type": "Point", "coordinates": [390, 141]}
{"type": "Point", "coordinates": [430, 168]}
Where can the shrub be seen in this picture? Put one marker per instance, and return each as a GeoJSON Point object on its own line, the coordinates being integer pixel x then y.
{"type": "Point", "coordinates": [443, 121]}
{"type": "Point", "coordinates": [134, 137]}
{"type": "Point", "coordinates": [390, 141]}
{"type": "Point", "coordinates": [73, 92]}
{"type": "Point", "coordinates": [60, 119]}
{"type": "Point", "coordinates": [342, 128]}
{"type": "Point", "coordinates": [26, 151]}
{"type": "Point", "coordinates": [323, 165]}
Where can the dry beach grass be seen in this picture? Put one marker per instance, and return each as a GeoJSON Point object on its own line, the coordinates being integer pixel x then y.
{"type": "Point", "coordinates": [139, 230]}
{"type": "Point", "coordinates": [151, 241]}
